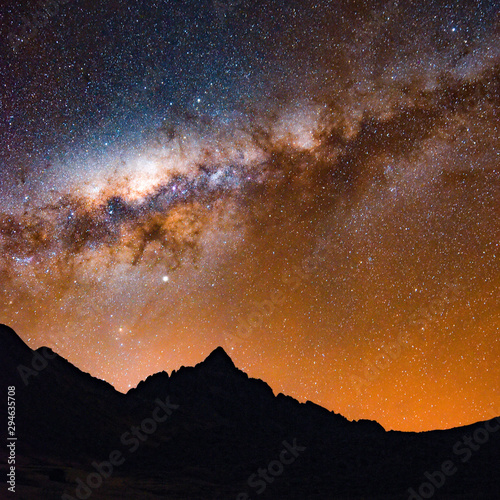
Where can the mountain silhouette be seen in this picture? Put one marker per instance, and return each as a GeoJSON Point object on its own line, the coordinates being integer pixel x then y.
{"type": "Point", "coordinates": [211, 432]}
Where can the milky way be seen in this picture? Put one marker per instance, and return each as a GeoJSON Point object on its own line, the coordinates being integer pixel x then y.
{"type": "Point", "coordinates": [314, 187]}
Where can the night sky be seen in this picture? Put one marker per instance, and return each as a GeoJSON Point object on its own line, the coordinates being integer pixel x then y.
{"type": "Point", "coordinates": [313, 186]}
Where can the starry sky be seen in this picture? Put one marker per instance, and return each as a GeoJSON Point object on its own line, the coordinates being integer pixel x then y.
{"type": "Point", "coordinates": [313, 186]}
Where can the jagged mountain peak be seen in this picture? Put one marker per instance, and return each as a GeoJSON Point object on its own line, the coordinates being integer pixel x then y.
{"type": "Point", "coordinates": [218, 359]}
{"type": "Point", "coordinates": [215, 421]}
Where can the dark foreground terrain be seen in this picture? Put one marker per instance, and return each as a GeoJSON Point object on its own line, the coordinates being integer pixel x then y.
{"type": "Point", "coordinates": [210, 432]}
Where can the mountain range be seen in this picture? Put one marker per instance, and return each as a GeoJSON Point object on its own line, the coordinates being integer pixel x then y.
{"type": "Point", "coordinates": [211, 432]}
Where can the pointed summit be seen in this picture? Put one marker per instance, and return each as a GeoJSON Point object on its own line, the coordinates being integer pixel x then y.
{"type": "Point", "coordinates": [218, 359]}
